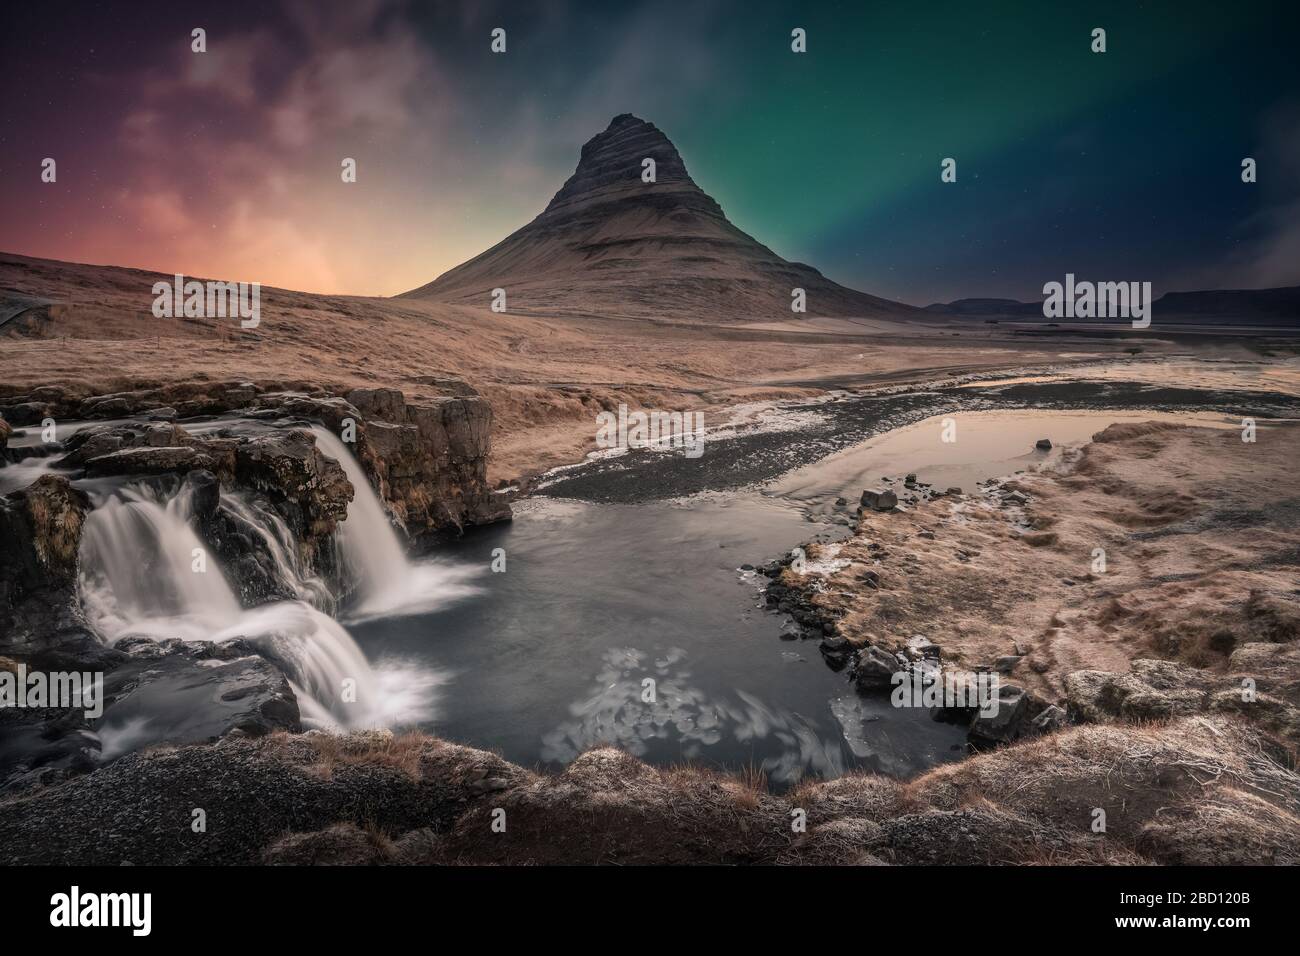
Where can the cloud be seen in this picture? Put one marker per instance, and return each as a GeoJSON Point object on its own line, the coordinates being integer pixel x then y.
{"type": "Point", "coordinates": [236, 164]}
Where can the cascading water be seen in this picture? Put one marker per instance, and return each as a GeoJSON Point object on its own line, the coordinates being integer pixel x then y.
{"type": "Point", "coordinates": [387, 584]}
{"type": "Point", "coordinates": [139, 576]}
{"type": "Point", "coordinates": [261, 522]}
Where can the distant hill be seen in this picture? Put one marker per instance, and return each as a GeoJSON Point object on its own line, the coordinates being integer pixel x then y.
{"type": "Point", "coordinates": [610, 243]}
{"type": "Point", "coordinates": [1270, 307]}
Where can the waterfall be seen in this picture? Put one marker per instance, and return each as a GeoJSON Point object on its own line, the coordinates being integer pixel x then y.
{"type": "Point", "coordinates": [387, 583]}
{"type": "Point", "coordinates": [139, 576]}
{"type": "Point", "coordinates": [260, 521]}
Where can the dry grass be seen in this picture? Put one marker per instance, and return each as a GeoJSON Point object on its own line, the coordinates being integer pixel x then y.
{"type": "Point", "coordinates": [402, 752]}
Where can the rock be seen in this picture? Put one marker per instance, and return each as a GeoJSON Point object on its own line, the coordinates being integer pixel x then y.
{"type": "Point", "coordinates": [384, 404]}
{"type": "Point", "coordinates": [874, 667]}
{"type": "Point", "coordinates": [5, 431]}
{"type": "Point", "coordinates": [150, 461]}
{"type": "Point", "coordinates": [207, 690]}
{"type": "Point", "coordinates": [927, 535]}
{"type": "Point", "coordinates": [879, 499]}
{"type": "Point", "coordinates": [1152, 690]}
{"type": "Point", "coordinates": [1050, 719]}
{"type": "Point", "coordinates": [42, 525]}
{"type": "Point", "coordinates": [919, 646]}
{"type": "Point", "coordinates": [288, 465]}
{"type": "Point", "coordinates": [954, 490]}
{"type": "Point", "coordinates": [40, 538]}
{"type": "Point", "coordinates": [1015, 498]}
{"type": "Point", "coordinates": [44, 747]}
{"type": "Point", "coordinates": [27, 413]}
{"type": "Point", "coordinates": [1006, 664]}
{"type": "Point", "coordinates": [1007, 724]}
{"type": "Point", "coordinates": [1157, 690]}
{"type": "Point", "coordinates": [1043, 444]}
{"type": "Point", "coordinates": [205, 494]}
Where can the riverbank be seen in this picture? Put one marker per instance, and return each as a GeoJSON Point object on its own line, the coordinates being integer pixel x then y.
{"type": "Point", "coordinates": [1194, 790]}
{"type": "Point", "coordinates": [1150, 574]}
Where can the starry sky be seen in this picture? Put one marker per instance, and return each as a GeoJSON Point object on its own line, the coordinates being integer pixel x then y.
{"type": "Point", "coordinates": [1117, 166]}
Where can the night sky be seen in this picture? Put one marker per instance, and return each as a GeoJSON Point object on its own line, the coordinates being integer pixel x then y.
{"type": "Point", "coordinates": [1117, 166]}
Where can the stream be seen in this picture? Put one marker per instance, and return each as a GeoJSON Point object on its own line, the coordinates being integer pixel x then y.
{"type": "Point", "coordinates": [620, 606]}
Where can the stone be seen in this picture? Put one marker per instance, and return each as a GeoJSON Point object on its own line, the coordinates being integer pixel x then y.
{"type": "Point", "coordinates": [874, 667]}
{"type": "Point", "coordinates": [1007, 724]}
{"type": "Point", "coordinates": [1043, 444]}
{"type": "Point", "coordinates": [920, 646]}
{"type": "Point", "coordinates": [879, 499]}
{"type": "Point", "coordinates": [149, 460]}
{"type": "Point", "coordinates": [384, 404]}
{"type": "Point", "coordinates": [205, 494]}
{"type": "Point", "coordinates": [1051, 718]}
{"type": "Point", "coordinates": [1006, 664]}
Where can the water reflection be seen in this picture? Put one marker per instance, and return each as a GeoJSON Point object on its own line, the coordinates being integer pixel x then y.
{"type": "Point", "coordinates": [624, 709]}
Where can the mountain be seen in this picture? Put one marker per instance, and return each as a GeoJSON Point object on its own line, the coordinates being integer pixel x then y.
{"type": "Point", "coordinates": [1256, 307]}
{"type": "Point", "coordinates": [1252, 303]}
{"type": "Point", "coordinates": [609, 243]}
{"type": "Point", "coordinates": [986, 307]}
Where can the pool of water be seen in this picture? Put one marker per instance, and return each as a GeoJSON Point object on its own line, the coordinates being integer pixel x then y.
{"type": "Point", "coordinates": [551, 655]}
{"type": "Point", "coordinates": [986, 444]}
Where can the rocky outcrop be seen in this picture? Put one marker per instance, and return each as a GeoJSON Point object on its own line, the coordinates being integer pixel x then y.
{"type": "Point", "coordinates": [428, 459]}
{"type": "Point", "coordinates": [208, 691]}
{"type": "Point", "coordinates": [40, 533]}
{"type": "Point", "coordinates": [1262, 688]}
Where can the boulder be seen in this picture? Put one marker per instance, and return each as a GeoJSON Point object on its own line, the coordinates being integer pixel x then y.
{"type": "Point", "coordinates": [150, 460]}
{"type": "Point", "coordinates": [879, 499]}
{"type": "Point", "coordinates": [204, 491]}
{"type": "Point", "coordinates": [921, 647]}
{"type": "Point", "coordinates": [1157, 690]}
{"type": "Point", "coordinates": [1009, 721]}
{"type": "Point", "coordinates": [207, 689]}
{"type": "Point", "coordinates": [1007, 663]}
{"type": "Point", "coordinates": [289, 467]}
{"type": "Point", "coordinates": [1051, 718]}
{"type": "Point", "coordinates": [875, 667]}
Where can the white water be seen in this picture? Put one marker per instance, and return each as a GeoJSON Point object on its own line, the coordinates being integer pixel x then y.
{"type": "Point", "coordinates": [277, 540]}
{"type": "Point", "coordinates": [22, 474]}
{"type": "Point", "coordinates": [387, 584]}
{"type": "Point", "coordinates": [138, 578]}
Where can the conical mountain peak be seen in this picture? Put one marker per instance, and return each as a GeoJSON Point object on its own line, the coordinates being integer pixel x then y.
{"type": "Point", "coordinates": [626, 237]}
{"type": "Point", "coordinates": [614, 160]}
